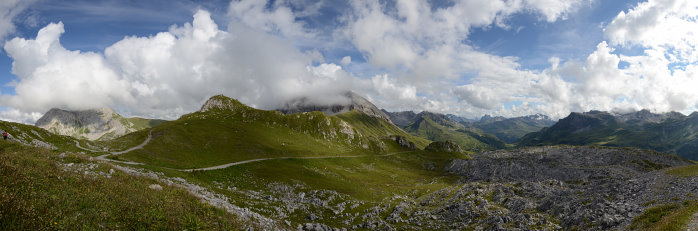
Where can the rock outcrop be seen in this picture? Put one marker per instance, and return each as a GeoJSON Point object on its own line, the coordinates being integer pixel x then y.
{"type": "Point", "coordinates": [404, 142]}
{"type": "Point", "coordinates": [94, 124]}
{"type": "Point", "coordinates": [443, 146]}
{"type": "Point", "coordinates": [221, 102]}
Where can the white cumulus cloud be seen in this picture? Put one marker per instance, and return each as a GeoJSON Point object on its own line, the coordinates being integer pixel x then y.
{"type": "Point", "coordinates": [417, 57]}
{"type": "Point", "coordinates": [173, 72]}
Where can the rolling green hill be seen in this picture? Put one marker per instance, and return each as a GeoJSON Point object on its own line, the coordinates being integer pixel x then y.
{"type": "Point", "coordinates": [670, 132]}
{"type": "Point", "coordinates": [226, 130]}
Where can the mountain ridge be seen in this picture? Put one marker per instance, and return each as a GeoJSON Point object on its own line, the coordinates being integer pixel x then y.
{"type": "Point", "coordinates": [508, 130]}
{"type": "Point", "coordinates": [670, 132]}
{"type": "Point", "coordinates": [226, 130]}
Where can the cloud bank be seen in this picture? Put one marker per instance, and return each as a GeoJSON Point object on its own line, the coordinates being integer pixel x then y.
{"type": "Point", "coordinates": [170, 73]}
{"type": "Point", "coordinates": [420, 51]}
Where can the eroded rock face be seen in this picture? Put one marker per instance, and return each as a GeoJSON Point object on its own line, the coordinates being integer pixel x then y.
{"type": "Point", "coordinates": [89, 124]}
{"type": "Point", "coordinates": [403, 142]}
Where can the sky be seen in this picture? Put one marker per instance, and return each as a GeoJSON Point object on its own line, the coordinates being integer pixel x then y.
{"type": "Point", "coordinates": [164, 58]}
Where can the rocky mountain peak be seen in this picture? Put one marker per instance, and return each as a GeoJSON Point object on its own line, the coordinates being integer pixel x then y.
{"type": "Point", "coordinates": [537, 117]}
{"type": "Point", "coordinates": [220, 102]}
{"type": "Point", "coordinates": [76, 118]}
{"type": "Point", "coordinates": [491, 119]}
{"type": "Point", "coordinates": [645, 116]}
{"type": "Point", "coordinates": [92, 124]}
{"type": "Point", "coordinates": [402, 118]}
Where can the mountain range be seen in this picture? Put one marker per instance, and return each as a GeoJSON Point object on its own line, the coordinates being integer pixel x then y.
{"type": "Point", "coordinates": [670, 132]}
{"type": "Point", "coordinates": [354, 170]}
{"type": "Point", "coordinates": [439, 127]}
{"type": "Point", "coordinates": [511, 130]}
{"type": "Point", "coordinates": [489, 130]}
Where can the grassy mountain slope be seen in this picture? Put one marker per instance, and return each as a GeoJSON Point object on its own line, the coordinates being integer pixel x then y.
{"type": "Point", "coordinates": [41, 189]}
{"type": "Point", "coordinates": [379, 128]}
{"type": "Point", "coordinates": [133, 124]}
{"type": "Point", "coordinates": [228, 131]}
{"type": "Point", "coordinates": [438, 128]}
{"type": "Point", "coordinates": [673, 135]}
{"type": "Point", "coordinates": [36, 136]}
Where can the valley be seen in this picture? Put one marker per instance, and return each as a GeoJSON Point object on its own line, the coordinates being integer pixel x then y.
{"type": "Point", "coordinates": [354, 171]}
{"type": "Point", "coordinates": [320, 115]}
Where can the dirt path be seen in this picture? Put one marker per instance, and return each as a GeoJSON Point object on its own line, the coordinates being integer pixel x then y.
{"type": "Point", "coordinates": [77, 144]}
{"type": "Point", "coordinates": [104, 157]}
{"type": "Point", "coordinates": [281, 158]}
{"type": "Point", "coordinates": [137, 146]}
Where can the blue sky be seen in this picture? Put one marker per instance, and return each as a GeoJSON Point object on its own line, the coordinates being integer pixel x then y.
{"type": "Point", "coordinates": [469, 57]}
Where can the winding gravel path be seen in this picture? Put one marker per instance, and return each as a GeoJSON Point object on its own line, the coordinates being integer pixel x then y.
{"type": "Point", "coordinates": [150, 134]}
{"type": "Point", "coordinates": [104, 157]}
{"type": "Point", "coordinates": [281, 158]}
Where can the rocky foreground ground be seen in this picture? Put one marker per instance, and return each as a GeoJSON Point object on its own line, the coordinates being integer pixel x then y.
{"type": "Point", "coordinates": [538, 188]}
{"type": "Point", "coordinates": [584, 187]}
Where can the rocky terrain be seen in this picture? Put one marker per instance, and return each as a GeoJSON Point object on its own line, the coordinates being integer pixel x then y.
{"type": "Point", "coordinates": [582, 187]}
{"type": "Point", "coordinates": [539, 188]}
{"type": "Point", "coordinates": [94, 124]}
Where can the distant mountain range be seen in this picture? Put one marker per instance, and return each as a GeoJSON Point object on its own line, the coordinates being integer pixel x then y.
{"type": "Point", "coordinates": [511, 130]}
{"type": "Point", "coordinates": [504, 129]}
{"type": "Point", "coordinates": [439, 127]}
{"type": "Point", "coordinates": [94, 124]}
{"type": "Point", "coordinates": [668, 132]}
